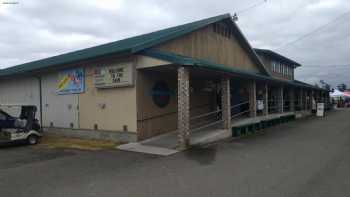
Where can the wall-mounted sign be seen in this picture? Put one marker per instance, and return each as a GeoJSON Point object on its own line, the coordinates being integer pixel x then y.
{"type": "Point", "coordinates": [114, 76]}
{"type": "Point", "coordinates": [71, 81]}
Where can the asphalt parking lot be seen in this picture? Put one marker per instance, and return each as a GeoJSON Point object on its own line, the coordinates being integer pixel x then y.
{"type": "Point", "coordinates": [308, 157]}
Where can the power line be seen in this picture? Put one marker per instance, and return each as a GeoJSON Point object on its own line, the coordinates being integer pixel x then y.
{"type": "Point", "coordinates": [314, 31]}
{"type": "Point", "coordinates": [323, 65]}
{"type": "Point", "coordinates": [251, 7]}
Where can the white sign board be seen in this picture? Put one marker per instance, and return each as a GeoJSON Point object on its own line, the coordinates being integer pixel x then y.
{"type": "Point", "coordinates": [120, 75]}
{"type": "Point", "coordinates": [320, 109]}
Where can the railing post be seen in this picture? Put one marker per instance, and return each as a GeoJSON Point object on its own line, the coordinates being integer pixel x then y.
{"type": "Point", "coordinates": [252, 99]}
{"type": "Point", "coordinates": [266, 100]}
{"type": "Point", "coordinates": [226, 102]}
{"type": "Point", "coordinates": [183, 105]}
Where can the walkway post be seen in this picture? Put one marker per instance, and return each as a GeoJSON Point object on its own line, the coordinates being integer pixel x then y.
{"type": "Point", "coordinates": [252, 99]}
{"type": "Point", "coordinates": [307, 100]}
{"type": "Point", "coordinates": [266, 100]}
{"type": "Point", "coordinates": [304, 100]}
{"type": "Point", "coordinates": [183, 105]}
{"type": "Point", "coordinates": [292, 100]}
{"type": "Point", "coordinates": [281, 100]}
{"type": "Point", "coordinates": [226, 102]}
{"type": "Point", "coordinates": [312, 98]}
{"type": "Point", "coordinates": [301, 99]}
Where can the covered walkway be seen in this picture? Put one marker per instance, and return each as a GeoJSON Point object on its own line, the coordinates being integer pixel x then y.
{"type": "Point", "coordinates": [212, 99]}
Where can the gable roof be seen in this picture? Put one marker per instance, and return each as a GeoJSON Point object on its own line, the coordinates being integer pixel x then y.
{"type": "Point", "coordinates": [129, 46]}
{"type": "Point", "coordinates": [277, 56]}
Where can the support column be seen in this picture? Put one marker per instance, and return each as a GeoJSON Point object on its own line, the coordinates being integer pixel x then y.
{"type": "Point", "coordinates": [304, 100]}
{"type": "Point", "coordinates": [292, 100]}
{"type": "Point", "coordinates": [266, 100]}
{"type": "Point", "coordinates": [226, 102]}
{"type": "Point", "coordinates": [280, 101]}
{"type": "Point", "coordinates": [312, 99]}
{"type": "Point", "coordinates": [252, 99]}
{"type": "Point", "coordinates": [308, 98]}
{"type": "Point", "coordinates": [183, 105]}
{"type": "Point", "coordinates": [301, 100]}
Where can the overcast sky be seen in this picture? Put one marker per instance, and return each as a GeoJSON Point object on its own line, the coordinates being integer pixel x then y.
{"type": "Point", "coordinates": [35, 29]}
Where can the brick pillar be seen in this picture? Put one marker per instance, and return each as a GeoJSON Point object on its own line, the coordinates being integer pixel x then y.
{"type": "Point", "coordinates": [292, 100]}
{"type": "Point", "coordinates": [266, 100]}
{"type": "Point", "coordinates": [252, 99]}
{"type": "Point", "coordinates": [280, 100]}
{"type": "Point", "coordinates": [183, 105]}
{"type": "Point", "coordinates": [226, 102]}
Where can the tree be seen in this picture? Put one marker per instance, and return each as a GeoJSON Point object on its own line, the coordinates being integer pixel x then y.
{"type": "Point", "coordinates": [342, 87]}
{"type": "Point", "coordinates": [325, 85]}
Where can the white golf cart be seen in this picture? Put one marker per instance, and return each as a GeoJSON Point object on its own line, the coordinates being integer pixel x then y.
{"type": "Point", "coordinates": [18, 123]}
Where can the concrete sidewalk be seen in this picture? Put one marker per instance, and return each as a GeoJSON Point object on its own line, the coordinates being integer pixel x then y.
{"type": "Point", "coordinates": [165, 144]}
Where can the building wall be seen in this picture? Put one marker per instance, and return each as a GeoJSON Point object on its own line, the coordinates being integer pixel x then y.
{"type": "Point", "coordinates": [268, 64]}
{"type": "Point", "coordinates": [112, 109]}
{"type": "Point", "coordinates": [154, 120]}
{"type": "Point", "coordinates": [209, 45]}
{"type": "Point", "coordinates": [61, 111]}
{"type": "Point", "coordinates": [20, 90]}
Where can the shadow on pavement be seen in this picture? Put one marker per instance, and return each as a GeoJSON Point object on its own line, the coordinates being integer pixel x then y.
{"type": "Point", "coordinates": [204, 155]}
{"type": "Point", "coordinates": [10, 145]}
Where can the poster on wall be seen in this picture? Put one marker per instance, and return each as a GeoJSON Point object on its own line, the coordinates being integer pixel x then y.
{"type": "Point", "coordinates": [71, 81]}
{"type": "Point", "coordinates": [120, 75]}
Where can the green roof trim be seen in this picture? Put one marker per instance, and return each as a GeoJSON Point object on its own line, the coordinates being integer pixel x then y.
{"type": "Point", "coordinates": [127, 46]}
{"type": "Point", "coordinates": [194, 62]}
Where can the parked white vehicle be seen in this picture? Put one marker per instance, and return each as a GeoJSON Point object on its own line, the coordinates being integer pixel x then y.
{"type": "Point", "coordinates": [22, 127]}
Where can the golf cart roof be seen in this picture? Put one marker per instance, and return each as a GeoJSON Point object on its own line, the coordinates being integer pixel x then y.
{"type": "Point", "coordinates": [17, 105]}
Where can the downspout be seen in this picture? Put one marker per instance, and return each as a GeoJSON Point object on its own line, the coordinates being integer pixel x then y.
{"type": "Point", "coordinates": [41, 104]}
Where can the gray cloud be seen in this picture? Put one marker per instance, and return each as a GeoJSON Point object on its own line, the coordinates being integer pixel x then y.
{"type": "Point", "coordinates": [36, 29]}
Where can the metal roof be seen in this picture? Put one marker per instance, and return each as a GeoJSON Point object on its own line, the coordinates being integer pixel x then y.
{"type": "Point", "coordinates": [129, 46]}
{"type": "Point", "coordinates": [199, 63]}
{"type": "Point", "coordinates": [277, 56]}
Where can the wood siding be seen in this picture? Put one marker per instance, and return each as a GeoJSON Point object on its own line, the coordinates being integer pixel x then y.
{"type": "Point", "coordinates": [268, 64]}
{"type": "Point", "coordinates": [209, 45]}
{"type": "Point", "coordinates": [153, 120]}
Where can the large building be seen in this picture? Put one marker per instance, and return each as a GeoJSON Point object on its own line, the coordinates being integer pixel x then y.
{"type": "Point", "coordinates": [181, 78]}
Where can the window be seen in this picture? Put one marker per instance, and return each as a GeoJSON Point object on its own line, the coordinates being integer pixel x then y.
{"type": "Point", "coordinates": [290, 71]}
{"type": "Point", "coordinates": [279, 68]}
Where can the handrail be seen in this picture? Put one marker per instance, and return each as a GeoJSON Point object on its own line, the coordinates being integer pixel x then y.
{"type": "Point", "coordinates": [206, 126]}
{"type": "Point", "coordinates": [247, 102]}
{"type": "Point", "coordinates": [204, 115]}
{"type": "Point", "coordinates": [240, 113]}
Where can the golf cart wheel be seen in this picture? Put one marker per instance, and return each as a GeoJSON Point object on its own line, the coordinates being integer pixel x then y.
{"type": "Point", "coordinates": [32, 139]}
